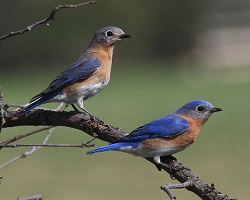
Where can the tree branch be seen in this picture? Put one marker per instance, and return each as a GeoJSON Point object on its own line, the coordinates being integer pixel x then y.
{"type": "Point", "coordinates": [28, 153]}
{"type": "Point", "coordinates": [73, 119]}
{"type": "Point", "coordinates": [46, 20]}
{"type": "Point", "coordinates": [108, 133]}
{"type": "Point", "coordinates": [6, 142]}
{"type": "Point", "coordinates": [85, 144]}
{"type": "Point", "coordinates": [188, 180]}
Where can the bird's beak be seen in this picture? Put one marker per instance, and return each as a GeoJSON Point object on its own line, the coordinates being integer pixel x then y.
{"type": "Point", "coordinates": [124, 36]}
{"type": "Point", "coordinates": [216, 110]}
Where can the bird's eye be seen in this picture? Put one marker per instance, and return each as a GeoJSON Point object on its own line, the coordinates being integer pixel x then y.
{"type": "Point", "coordinates": [109, 33]}
{"type": "Point", "coordinates": [200, 108]}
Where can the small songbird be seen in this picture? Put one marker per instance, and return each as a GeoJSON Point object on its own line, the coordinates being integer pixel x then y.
{"type": "Point", "coordinates": [167, 135]}
{"type": "Point", "coordinates": [84, 78]}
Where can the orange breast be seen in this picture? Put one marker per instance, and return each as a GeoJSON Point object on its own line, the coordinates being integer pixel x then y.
{"type": "Point", "coordinates": [182, 140]}
{"type": "Point", "coordinates": [102, 74]}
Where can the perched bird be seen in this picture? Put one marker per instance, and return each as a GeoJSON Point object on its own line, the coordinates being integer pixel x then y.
{"type": "Point", "coordinates": [84, 78]}
{"type": "Point", "coordinates": [167, 135]}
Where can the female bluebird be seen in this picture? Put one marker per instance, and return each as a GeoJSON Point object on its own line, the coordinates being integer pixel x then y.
{"type": "Point", "coordinates": [86, 77]}
{"type": "Point", "coordinates": [167, 135]}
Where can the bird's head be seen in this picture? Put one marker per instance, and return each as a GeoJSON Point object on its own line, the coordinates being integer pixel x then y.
{"type": "Point", "coordinates": [109, 36]}
{"type": "Point", "coordinates": [198, 110]}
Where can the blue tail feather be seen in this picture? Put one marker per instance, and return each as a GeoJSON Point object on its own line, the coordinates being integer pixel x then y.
{"type": "Point", "coordinates": [30, 107]}
{"type": "Point", "coordinates": [108, 147]}
{"type": "Point", "coordinates": [115, 146]}
{"type": "Point", "coordinates": [36, 103]}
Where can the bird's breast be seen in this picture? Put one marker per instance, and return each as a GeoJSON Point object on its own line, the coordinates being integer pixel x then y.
{"type": "Point", "coordinates": [86, 88]}
{"type": "Point", "coordinates": [169, 145]}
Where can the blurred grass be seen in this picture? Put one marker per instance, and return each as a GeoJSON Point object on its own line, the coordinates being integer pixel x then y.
{"type": "Point", "coordinates": [219, 156]}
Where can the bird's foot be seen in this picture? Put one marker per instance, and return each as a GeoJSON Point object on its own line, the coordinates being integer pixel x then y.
{"type": "Point", "coordinates": [165, 162]}
{"type": "Point", "coordinates": [87, 115]}
{"type": "Point", "coordinates": [75, 108]}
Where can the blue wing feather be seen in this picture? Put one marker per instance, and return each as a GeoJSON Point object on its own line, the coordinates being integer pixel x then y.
{"type": "Point", "coordinates": [80, 70]}
{"type": "Point", "coordinates": [167, 126]}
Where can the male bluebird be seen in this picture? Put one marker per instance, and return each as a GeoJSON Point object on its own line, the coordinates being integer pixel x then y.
{"type": "Point", "coordinates": [167, 135]}
{"type": "Point", "coordinates": [86, 77]}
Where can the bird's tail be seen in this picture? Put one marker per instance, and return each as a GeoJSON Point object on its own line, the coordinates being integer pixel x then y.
{"type": "Point", "coordinates": [120, 146]}
{"type": "Point", "coordinates": [108, 147]}
{"type": "Point", "coordinates": [29, 107]}
{"type": "Point", "coordinates": [34, 103]}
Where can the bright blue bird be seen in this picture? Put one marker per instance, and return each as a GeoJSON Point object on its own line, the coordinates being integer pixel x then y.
{"type": "Point", "coordinates": [167, 135]}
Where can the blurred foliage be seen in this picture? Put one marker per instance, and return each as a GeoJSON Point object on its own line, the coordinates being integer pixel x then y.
{"type": "Point", "coordinates": [161, 29]}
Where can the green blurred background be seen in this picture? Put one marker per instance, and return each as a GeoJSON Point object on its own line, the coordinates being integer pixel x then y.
{"type": "Point", "coordinates": [180, 51]}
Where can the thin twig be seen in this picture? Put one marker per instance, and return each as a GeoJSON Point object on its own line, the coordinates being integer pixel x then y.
{"type": "Point", "coordinates": [47, 136]}
{"type": "Point", "coordinates": [2, 119]}
{"type": "Point", "coordinates": [85, 144]}
{"type": "Point", "coordinates": [34, 197]}
{"type": "Point", "coordinates": [46, 20]}
{"type": "Point", "coordinates": [34, 148]}
{"type": "Point", "coordinates": [25, 135]}
{"type": "Point", "coordinates": [27, 153]}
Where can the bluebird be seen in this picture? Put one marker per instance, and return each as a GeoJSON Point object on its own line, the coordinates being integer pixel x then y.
{"type": "Point", "coordinates": [167, 135]}
{"type": "Point", "coordinates": [84, 78]}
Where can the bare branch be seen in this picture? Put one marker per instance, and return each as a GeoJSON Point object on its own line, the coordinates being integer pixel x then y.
{"type": "Point", "coordinates": [34, 197]}
{"type": "Point", "coordinates": [34, 147]}
{"type": "Point", "coordinates": [27, 153]}
{"type": "Point", "coordinates": [169, 186]}
{"type": "Point", "coordinates": [2, 119]}
{"type": "Point", "coordinates": [60, 107]}
{"type": "Point", "coordinates": [46, 20]}
{"type": "Point", "coordinates": [24, 135]}
{"type": "Point", "coordinates": [85, 144]}
{"type": "Point", "coordinates": [187, 180]}
{"type": "Point", "coordinates": [73, 119]}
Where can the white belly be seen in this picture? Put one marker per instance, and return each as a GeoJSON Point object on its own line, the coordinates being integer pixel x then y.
{"type": "Point", "coordinates": [163, 151]}
{"type": "Point", "coordinates": [80, 94]}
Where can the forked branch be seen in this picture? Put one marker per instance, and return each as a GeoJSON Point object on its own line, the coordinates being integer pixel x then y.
{"type": "Point", "coordinates": [46, 20]}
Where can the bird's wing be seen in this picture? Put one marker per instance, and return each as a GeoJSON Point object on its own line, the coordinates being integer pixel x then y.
{"type": "Point", "coordinates": [80, 70]}
{"type": "Point", "coordinates": [167, 126]}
